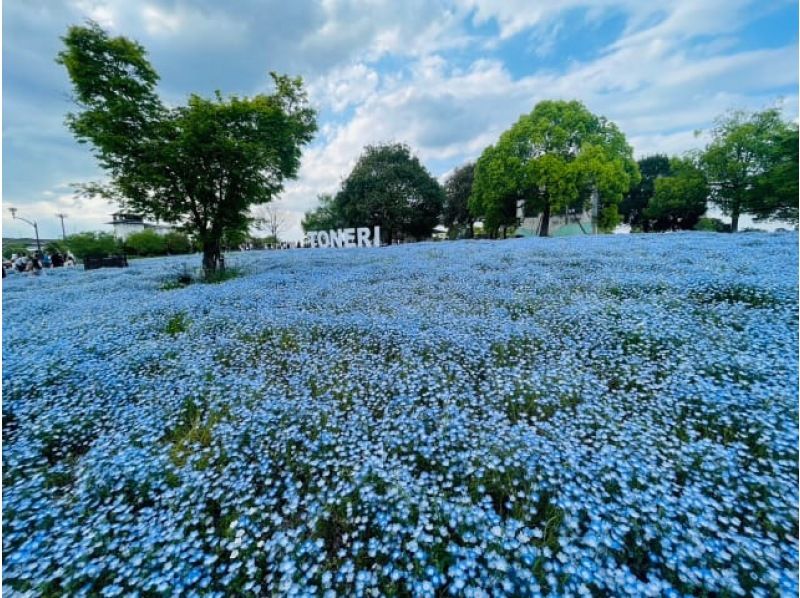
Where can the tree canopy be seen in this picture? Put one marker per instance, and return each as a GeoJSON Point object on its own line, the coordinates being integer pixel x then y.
{"type": "Point", "coordinates": [751, 165]}
{"type": "Point", "coordinates": [457, 188]}
{"type": "Point", "coordinates": [388, 187]}
{"type": "Point", "coordinates": [636, 200]}
{"type": "Point", "coordinates": [775, 191]}
{"type": "Point", "coordinates": [325, 216]}
{"type": "Point", "coordinates": [679, 199]}
{"type": "Point", "coordinates": [203, 164]}
{"type": "Point", "coordinates": [552, 159]}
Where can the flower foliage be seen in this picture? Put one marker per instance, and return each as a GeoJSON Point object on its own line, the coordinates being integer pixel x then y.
{"type": "Point", "coordinates": [604, 415]}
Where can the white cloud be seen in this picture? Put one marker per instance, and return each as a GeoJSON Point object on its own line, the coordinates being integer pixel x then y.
{"type": "Point", "coordinates": [159, 22]}
{"type": "Point", "coordinates": [344, 87]}
{"type": "Point", "coordinates": [97, 11]}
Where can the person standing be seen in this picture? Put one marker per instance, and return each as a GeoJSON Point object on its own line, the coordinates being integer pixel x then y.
{"type": "Point", "coordinates": [21, 263]}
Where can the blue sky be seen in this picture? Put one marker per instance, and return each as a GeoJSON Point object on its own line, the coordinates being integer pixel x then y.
{"type": "Point", "coordinates": [445, 77]}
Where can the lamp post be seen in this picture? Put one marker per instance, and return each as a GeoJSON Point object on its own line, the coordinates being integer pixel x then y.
{"type": "Point", "coordinates": [63, 232]}
{"type": "Point", "coordinates": [33, 224]}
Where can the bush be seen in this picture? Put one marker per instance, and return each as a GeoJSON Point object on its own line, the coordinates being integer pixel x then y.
{"type": "Point", "coordinates": [12, 248]}
{"type": "Point", "coordinates": [55, 247]}
{"type": "Point", "coordinates": [92, 244]}
{"type": "Point", "coordinates": [177, 243]}
{"type": "Point", "coordinates": [714, 225]}
{"type": "Point", "coordinates": [146, 242]}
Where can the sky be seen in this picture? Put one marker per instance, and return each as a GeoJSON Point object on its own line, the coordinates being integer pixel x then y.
{"type": "Point", "coordinates": [445, 77]}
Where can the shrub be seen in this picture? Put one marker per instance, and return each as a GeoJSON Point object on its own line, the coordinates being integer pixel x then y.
{"type": "Point", "coordinates": [714, 225]}
{"type": "Point", "coordinates": [177, 242]}
{"type": "Point", "coordinates": [146, 242]}
{"type": "Point", "coordinates": [55, 247]}
{"type": "Point", "coordinates": [92, 244]}
{"type": "Point", "coordinates": [258, 242]}
{"type": "Point", "coordinates": [12, 248]}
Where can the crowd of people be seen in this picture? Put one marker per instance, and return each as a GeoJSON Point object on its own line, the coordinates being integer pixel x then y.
{"type": "Point", "coordinates": [36, 262]}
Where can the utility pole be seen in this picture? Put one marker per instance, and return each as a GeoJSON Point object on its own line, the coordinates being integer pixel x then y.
{"type": "Point", "coordinates": [33, 224]}
{"type": "Point", "coordinates": [63, 233]}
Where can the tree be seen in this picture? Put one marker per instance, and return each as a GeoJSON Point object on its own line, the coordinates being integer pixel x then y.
{"type": "Point", "coordinates": [457, 189]}
{"type": "Point", "coordinates": [494, 191]}
{"type": "Point", "coordinates": [389, 187]}
{"type": "Point", "coordinates": [775, 191]}
{"type": "Point", "coordinates": [635, 201]}
{"type": "Point", "coordinates": [553, 159]}
{"type": "Point", "coordinates": [146, 242]}
{"type": "Point", "coordinates": [743, 160]}
{"type": "Point", "coordinates": [270, 219]}
{"type": "Point", "coordinates": [203, 164]}
{"type": "Point", "coordinates": [326, 216]}
{"type": "Point", "coordinates": [679, 200]}
{"type": "Point", "coordinates": [91, 244]}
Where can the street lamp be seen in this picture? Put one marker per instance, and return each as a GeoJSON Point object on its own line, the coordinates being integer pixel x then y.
{"type": "Point", "coordinates": [63, 232]}
{"type": "Point", "coordinates": [33, 224]}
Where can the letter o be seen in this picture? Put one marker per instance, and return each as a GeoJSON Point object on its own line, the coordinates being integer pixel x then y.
{"type": "Point", "coordinates": [323, 238]}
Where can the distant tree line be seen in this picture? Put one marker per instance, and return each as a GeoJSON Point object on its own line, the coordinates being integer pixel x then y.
{"type": "Point", "coordinates": [550, 161]}
{"type": "Point", "coordinates": [205, 165]}
{"type": "Point", "coordinates": [555, 159]}
{"type": "Point", "coordinates": [750, 166]}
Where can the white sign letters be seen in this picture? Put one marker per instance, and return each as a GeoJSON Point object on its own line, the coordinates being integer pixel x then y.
{"type": "Point", "coordinates": [346, 237]}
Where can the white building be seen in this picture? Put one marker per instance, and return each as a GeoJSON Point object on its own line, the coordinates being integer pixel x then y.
{"type": "Point", "coordinates": [127, 223]}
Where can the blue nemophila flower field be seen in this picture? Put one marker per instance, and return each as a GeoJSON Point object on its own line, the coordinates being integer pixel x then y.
{"type": "Point", "coordinates": [607, 415]}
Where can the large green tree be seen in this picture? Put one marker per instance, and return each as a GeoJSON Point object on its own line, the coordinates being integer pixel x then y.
{"type": "Point", "coordinates": [741, 161]}
{"type": "Point", "coordinates": [635, 202]}
{"type": "Point", "coordinates": [494, 191]}
{"type": "Point", "coordinates": [679, 200]}
{"type": "Point", "coordinates": [775, 191]}
{"type": "Point", "coordinates": [203, 164]}
{"type": "Point", "coordinates": [457, 188]}
{"type": "Point", "coordinates": [553, 159]}
{"type": "Point", "coordinates": [390, 188]}
{"type": "Point", "coordinates": [325, 216]}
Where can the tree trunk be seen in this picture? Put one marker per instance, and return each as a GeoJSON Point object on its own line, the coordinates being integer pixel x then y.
{"type": "Point", "coordinates": [388, 236]}
{"type": "Point", "coordinates": [211, 253]}
{"type": "Point", "coordinates": [545, 228]}
{"type": "Point", "coordinates": [735, 219]}
{"type": "Point", "coordinates": [471, 229]}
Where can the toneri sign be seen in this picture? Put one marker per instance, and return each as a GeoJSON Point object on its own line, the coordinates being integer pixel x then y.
{"type": "Point", "coordinates": [346, 237]}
